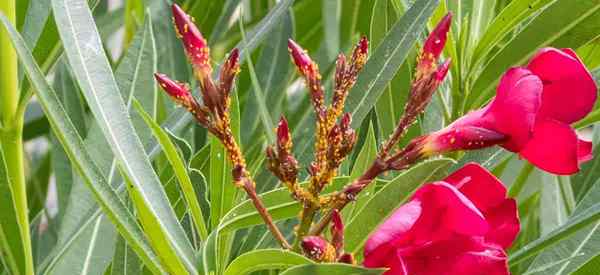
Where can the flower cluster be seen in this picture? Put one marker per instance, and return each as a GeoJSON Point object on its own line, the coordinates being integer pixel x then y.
{"type": "Point", "coordinates": [460, 225]}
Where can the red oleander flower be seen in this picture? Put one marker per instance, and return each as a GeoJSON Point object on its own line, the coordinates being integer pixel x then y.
{"type": "Point", "coordinates": [531, 114]}
{"type": "Point", "coordinates": [461, 225]}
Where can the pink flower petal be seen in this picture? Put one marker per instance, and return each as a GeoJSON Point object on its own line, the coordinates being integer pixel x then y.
{"type": "Point", "coordinates": [569, 89]}
{"type": "Point", "coordinates": [446, 211]}
{"type": "Point", "coordinates": [504, 223]}
{"type": "Point", "coordinates": [395, 227]}
{"type": "Point", "coordinates": [490, 261]}
{"type": "Point", "coordinates": [553, 148]}
{"type": "Point", "coordinates": [478, 185]}
{"type": "Point", "coordinates": [513, 110]}
{"type": "Point", "coordinates": [584, 150]}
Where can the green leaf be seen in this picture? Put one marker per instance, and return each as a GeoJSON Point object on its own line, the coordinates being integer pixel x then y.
{"type": "Point", "coordinates": [331, 269]}
{"type": "Point", "coordinates": [272, 70]}
{"type": "Point", "coordinates": [91, 68]}
{"type": "Point", "coordinates": [565, 23]}
{"type": "Point", "coordinates": [185, 183]}
{"type": "Point", "coordinates": [390, 197]}
{"type": "Point", "coordinates": [277, 201]}
{"type": "Point", "coordinates": [264, 259]}
{"type": "Point", "coordinates": [579, 248]}
{"type": "Point", "coordinates": [589, 217]}
{"type": "Point", "coordinates": [263, 112]}
{"type": "Point", "coordinates": [508, 19]}
{"type": "Point", "coordinates": [386, 59]}
{"type": "Point", "coordinates": [10, 234]}
{"type": "Point", "coordinates": [73, 145]}
{"type": "Point", "coordinates": [90, 253]}
{"type": "Point", "coordinates": [263, 28]}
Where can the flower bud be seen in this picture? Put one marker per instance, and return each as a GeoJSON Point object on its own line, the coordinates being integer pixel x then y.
{"type": "Point", "coordinates": [230, 68]}
{"type": "Point", "coordinates": [437, 38]}
{"type": "Point", "coordinates": [178, 91]}
{"type": "Point", "coordinates": [305, 65]}
{"type": "Point", "coordinates": [318, 249]}
{"type": "Point", "coordinates": [284, 139]}
{"type": "Point", "coordinates": [310, 71]}
{"type": "Point", "coordinates": [193, 41]}
{"type": "Point", "coordinates": [313, 169]}
{"type": "Point", "coordinates": [340, 72]}
{"type": "Point", "coordinates": [360, 53]}
{"type": "Point", "coordinates": [337, 232]}
{"type": "Point", "coordinates": [347, 258]}
{"type": "Point", "coordinates": [460, 138]}
{"type": "Point", "coordinates": [432, 48]}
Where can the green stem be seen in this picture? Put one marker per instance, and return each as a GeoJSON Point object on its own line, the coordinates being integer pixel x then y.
{"type": "Point", "coordinates": [12, 131]}
{"type": "Point", "coordinates": [8, 67]}
{"type": "Point", "coordinates": [12, 145]}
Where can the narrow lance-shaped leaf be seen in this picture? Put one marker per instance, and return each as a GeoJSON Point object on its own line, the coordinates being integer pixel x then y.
{"type": "Point", "coordinates": [84, 51]}
{"type": "Point", "coordinates": [185, 183]}
{"type": "Point", "coordinates": [73, 145]}
{"type": "Point", "coordinates": [386, 59]}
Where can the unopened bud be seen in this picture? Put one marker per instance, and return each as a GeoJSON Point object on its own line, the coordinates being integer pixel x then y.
{"type": "Point", "coordinates": [437, 38]}
{"type": "Point", "coordinates": [460, 138]}
{"type": "Point", "coordinates": [340, 72]}
{"type": "Point", "coordinates": [337, 232]}
{"type": "Point", "coordinates": [360, 53]}
{"type": "Point", "coordinates": [347, 258]}
{"type": "Point", "coordinates": [318, 249]}
{"type": "Point", "coordinates": [442, 70]}
{"type": "Point", "coordinates": [313, 169]}
{"type": "Point", "coordinates": [193, 41]}
{"type": "Point", "coordinates": [230, 68]}
{"type": "Point", "coordinates": [238, 173]}
{"type": "Point", "coordinates": [284, 139]}
{"type": "Point", "coordinates": [305, 65]}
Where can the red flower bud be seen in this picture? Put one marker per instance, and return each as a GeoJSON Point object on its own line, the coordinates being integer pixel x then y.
{"type": "Point", "coordinates": [193, 41]}
{"type": "Point", "coordinates": [305, 65]}
{"type": "Point", "coordinates": [337, 232]}
{"type": "Point", "coordinates": [437, 38]}
{"type": "Point", "coordinates": [432, 48]}
{"type": "Point", "coordinates": [318, 249]}
{"type": "Point", "coordinates": [340, 71]}
{"type": "Point", "coordinates": [442, 70]}
{"type": "Point", "coordinates": [230, 68]}
{"type": "Point", "coordinates": [359, 55]}
{"type": "Point", "coordinates": [460, 138]}
{"type": "Point", "coordinates": [313, 169]}
{"type": "Point", "coordinates": [345, 122]}
{"type": "Point", "coordinates": [284, 139]}
{"type": "Point", "coordinates": [347, 258]}
{"type": "Point", "coordinates": [177, 90]}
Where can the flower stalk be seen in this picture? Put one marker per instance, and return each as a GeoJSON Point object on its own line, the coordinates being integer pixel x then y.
{"type": "Point", "coordinates": [333, 141]}
{"type": "Point", "coordinates": [213, 112]}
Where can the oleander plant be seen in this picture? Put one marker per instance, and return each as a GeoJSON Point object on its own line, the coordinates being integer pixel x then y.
{"type": "Point", "coordinates": [326, 137]}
